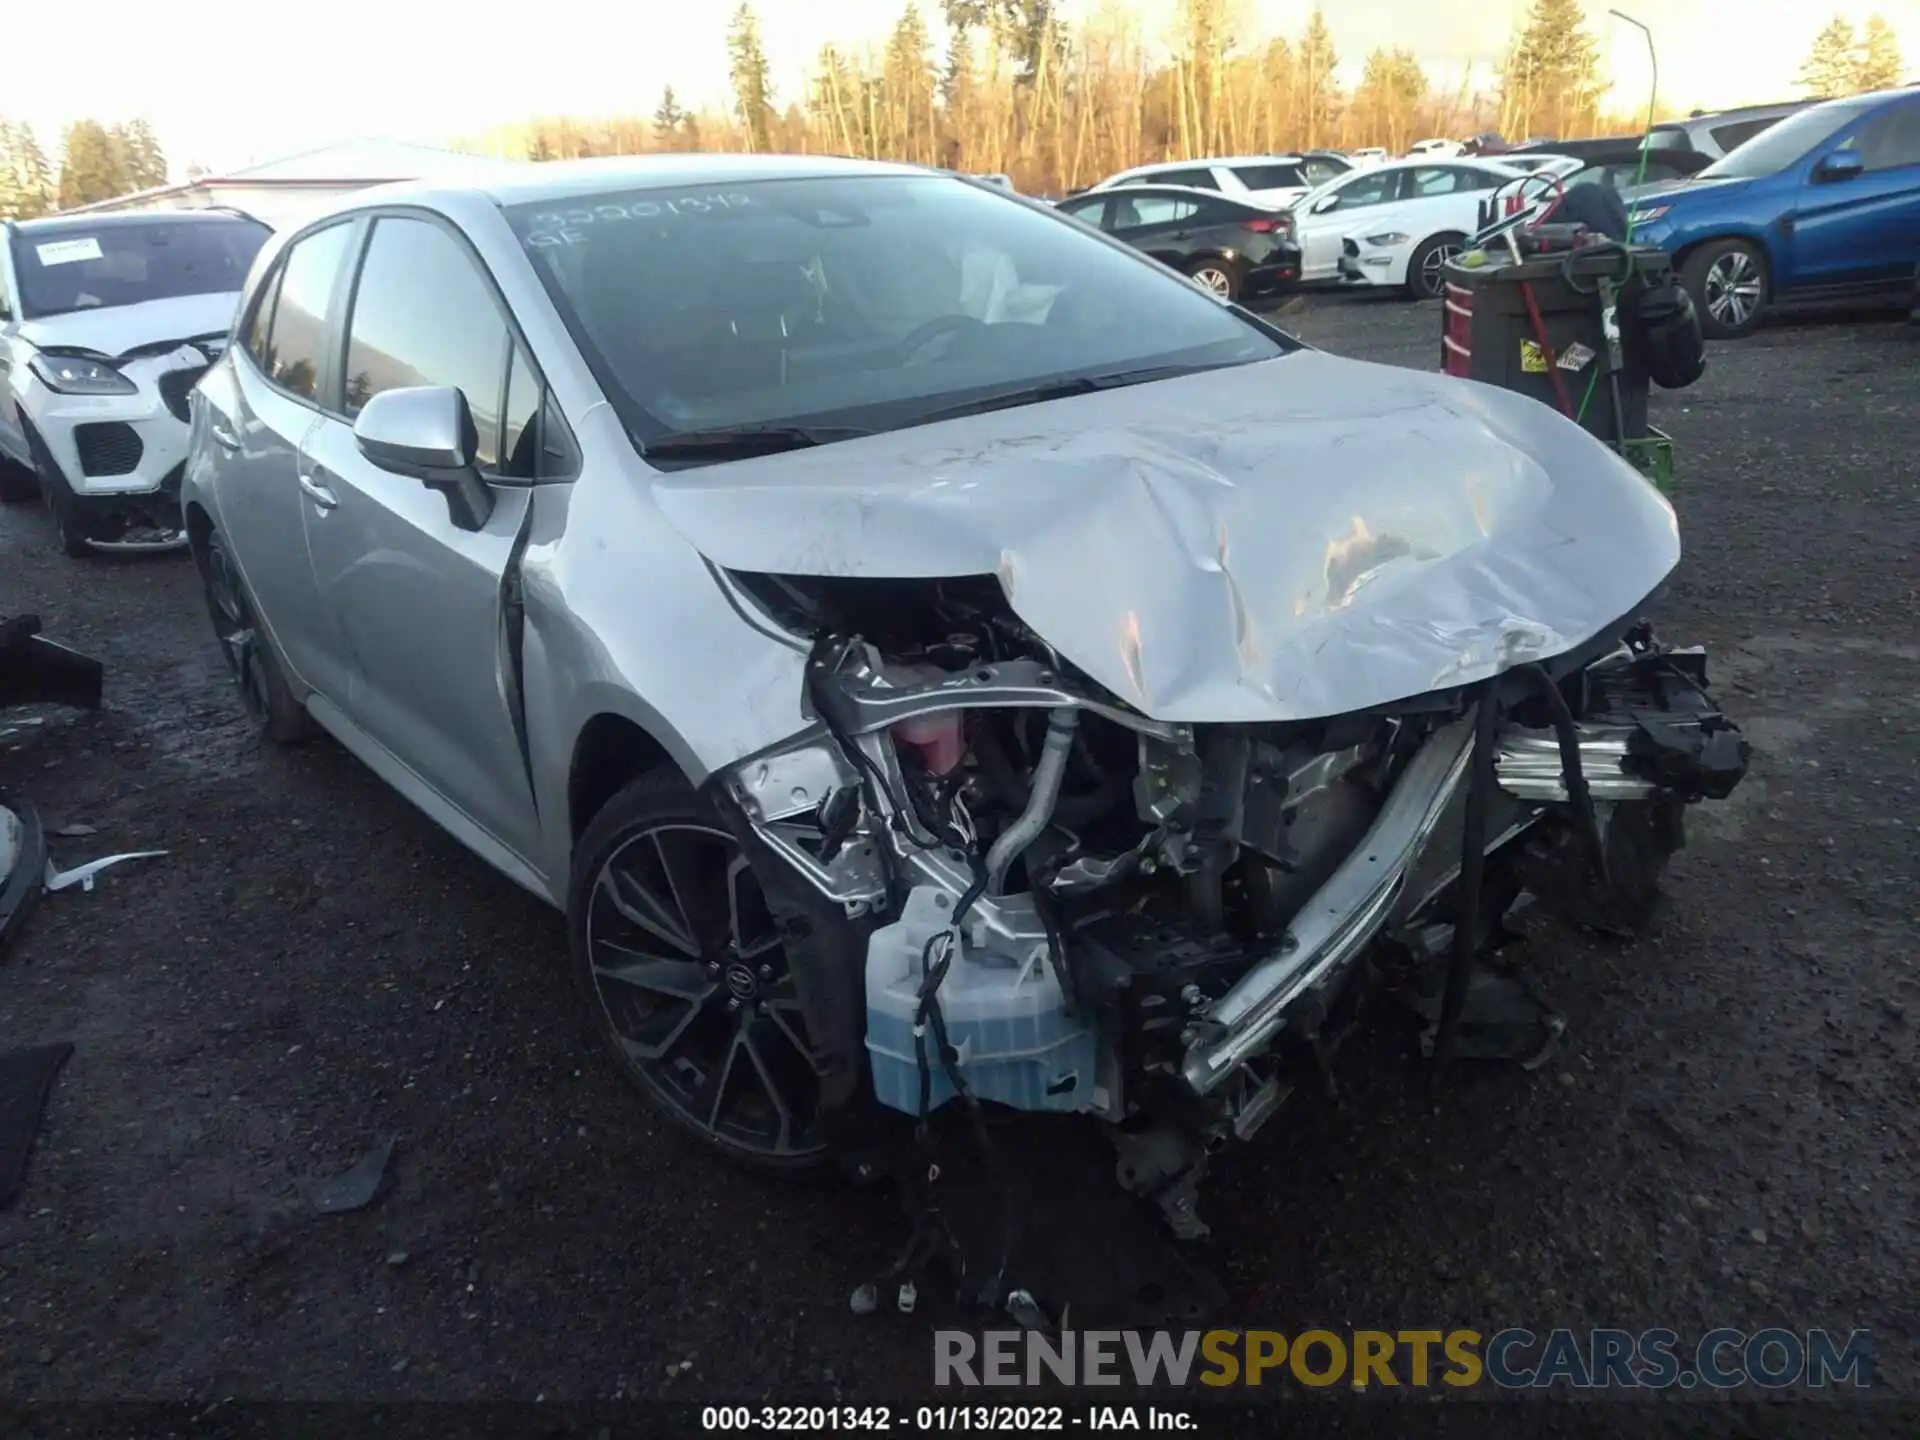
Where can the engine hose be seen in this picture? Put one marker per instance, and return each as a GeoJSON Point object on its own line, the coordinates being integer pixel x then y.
{"type": "Point", "coordinates": [1473, 859]}
{"type": "Point", "coordinates": [1578, 791]}
{"type": "Point", "coordinates": [1045, 793]}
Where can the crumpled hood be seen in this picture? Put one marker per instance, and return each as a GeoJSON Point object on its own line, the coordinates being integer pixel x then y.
{"type": "Point", "coordinates": [120, 328]}
{"type": "Point", "coordinates": [1281, 541]}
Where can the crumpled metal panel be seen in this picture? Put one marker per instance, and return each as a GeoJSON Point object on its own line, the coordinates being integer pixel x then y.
{"type": "Point", "coordinates": [1281, 541]}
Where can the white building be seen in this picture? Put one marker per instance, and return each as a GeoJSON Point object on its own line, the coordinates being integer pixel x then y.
{"type": "Point", "coordinates": [286, 191]}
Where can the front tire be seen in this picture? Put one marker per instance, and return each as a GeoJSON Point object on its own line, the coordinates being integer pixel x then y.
{"type": "Point", "coordinates": [68, 519]}
{"type": "Point", "coordinates": [1426, 269]}
{"type": "Point", "coordinates": [685, 977]}
{"type": "Point", "coordinates": [264, 692]}
{"type": "Point", "coordinates": [1219, 277]}
{"type": "Point", "coordinates": [18, 484]}
{"type": "Point", "coordinates": [1730, 287]}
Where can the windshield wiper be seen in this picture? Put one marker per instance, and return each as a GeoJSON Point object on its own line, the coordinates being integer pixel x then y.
{"type": "Point", "coordinates": [738, 442]}
{"type": "Point", "coordinates": [1060, 390]}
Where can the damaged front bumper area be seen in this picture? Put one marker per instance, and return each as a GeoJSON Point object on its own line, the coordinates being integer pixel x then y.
{"type": "Point", "coordinates": [1041, 898]}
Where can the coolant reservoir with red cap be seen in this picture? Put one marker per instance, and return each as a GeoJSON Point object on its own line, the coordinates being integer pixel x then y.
{"type": "Point", "coordinates": [938, 740]}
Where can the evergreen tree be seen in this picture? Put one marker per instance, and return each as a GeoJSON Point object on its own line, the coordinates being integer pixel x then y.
{"type": "Point", "coordinates": [145, 164]}
{"type": "Point", "coordinates": [752, 78]}
{"type": "Point", "coordinates": [26, 182]}
{"type": "Point", "coordinates": [1879, 66]}
{"type": "Point", "coordinates": [1318, 96]}
{"type": "Point", "coordinates": [1391, 88]}
{"type": "Point", "coordinates": [91, 165]}
{"type": "Point", "coordinates": [909, 78]}
{"type": "Point", "coordinates": [1551, 84]}
{"type": "Point", "coordinates": [669, 121]}
{"type": "Point", "coordinates": [1830, 66]}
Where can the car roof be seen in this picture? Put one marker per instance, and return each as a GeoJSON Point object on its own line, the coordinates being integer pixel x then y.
{"type": "Point", "coordinates": [123, 219]}
{"type": "Point", "coordinates": [1207, 161]}
{"type": "Point", "coordinates": [518, 182]}
{"type": "Point", "coordinates": [1191, 191]}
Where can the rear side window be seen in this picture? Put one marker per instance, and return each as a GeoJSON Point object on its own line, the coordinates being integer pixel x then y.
{"type": "Point", "coordinates": [1193, 179]}
{"type": "Point", "coordinates": [1132, 211]}
{"type": "Point", "coordinates": [294, 355]}
{"type": "Point", "coordinates": [1736, 134]}
{"type": "Point", "coordinates": [1270, 177]}
{"type": "Point", "coordinates": [1319, 171]}
{"type": "Point", "coordinates": [423, 314]}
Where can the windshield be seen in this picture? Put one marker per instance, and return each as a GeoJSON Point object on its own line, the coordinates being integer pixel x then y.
{"type": "Point", "coordinates": [1778, 146]}
{"type": "Point", "coordinates": [81, 266]}
{"type": "Point", "coordinates": [867, 301]}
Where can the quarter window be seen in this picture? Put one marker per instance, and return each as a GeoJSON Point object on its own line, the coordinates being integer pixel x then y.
{"type": "Point", "coordinates": [294, 356]}
{"type": "Point", "coordinates": [423, 315]}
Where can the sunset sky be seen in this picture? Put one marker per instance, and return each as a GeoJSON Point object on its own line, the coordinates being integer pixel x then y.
{"type": "Point", "coordinates": [228, 82]}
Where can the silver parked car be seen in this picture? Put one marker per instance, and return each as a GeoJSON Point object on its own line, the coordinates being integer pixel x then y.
{"type": "Point", "coordinates": [928, 649]}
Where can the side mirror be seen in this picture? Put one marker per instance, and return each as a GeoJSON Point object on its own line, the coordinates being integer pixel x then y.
{"type": "Point", "coordinates": [1840, 165]}
{"type": "Point", "coordinates": [427, 433]}
{"type": "Point", "coordinates": [1326, 203]}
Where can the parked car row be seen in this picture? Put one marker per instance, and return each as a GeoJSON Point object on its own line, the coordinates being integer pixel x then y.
{"type": "Point", "coordinates": [1761, 208]}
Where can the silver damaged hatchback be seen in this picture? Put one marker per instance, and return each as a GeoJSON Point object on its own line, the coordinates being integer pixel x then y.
{"type": "Point", "coordinates": [934, 655]}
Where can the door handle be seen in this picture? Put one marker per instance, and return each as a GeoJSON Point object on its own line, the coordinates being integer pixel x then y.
{"type": "Point", "coordinates": [222, 436]}
{"type": "Point", "coordinates": [318, 493]}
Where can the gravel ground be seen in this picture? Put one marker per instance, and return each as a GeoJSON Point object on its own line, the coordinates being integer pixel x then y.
{"type": "Point", "coordinates": [1729, 1137]}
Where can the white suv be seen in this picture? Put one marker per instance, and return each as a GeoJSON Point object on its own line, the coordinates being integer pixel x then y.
{"type": "Point", "coordinates": [106, 324]}
{"type": "Point", "coordinates": [1275, 181]}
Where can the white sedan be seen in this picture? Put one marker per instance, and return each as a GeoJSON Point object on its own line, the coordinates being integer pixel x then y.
{"type": "Point", "coordinates": [1435, 204]}
{"type": "Point", "coordinates": [1408, 246]}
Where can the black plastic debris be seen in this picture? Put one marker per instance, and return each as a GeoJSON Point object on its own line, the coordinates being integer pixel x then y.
{"type": "Point", "coordinates": [26, 1082]}
{"type": "Point", "coordinates": [34, 670]}
{"type": "Point", "coordinates": [353, 1189]}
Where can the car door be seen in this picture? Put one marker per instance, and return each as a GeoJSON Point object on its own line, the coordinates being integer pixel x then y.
{"type": "Point", "coordinates": [1160, 225]}
{"type": "Point", "coordinates": [259, 406]}
{"type": "Point", "coordinates": [1861, 230]}
{"type": "Point", "coordinates": [417, 601]}
{"type": "Point", "coordinates": [1328, 217]}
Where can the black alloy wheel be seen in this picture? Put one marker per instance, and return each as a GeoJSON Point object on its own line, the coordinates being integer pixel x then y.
{"type": "Point", "coordinates": [269, 704]}
{"type": "Point", "coordinates": [686, 977]}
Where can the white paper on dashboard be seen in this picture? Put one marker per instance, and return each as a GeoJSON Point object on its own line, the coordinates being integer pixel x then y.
{"type": "Point", "coordinates": [66, 252]}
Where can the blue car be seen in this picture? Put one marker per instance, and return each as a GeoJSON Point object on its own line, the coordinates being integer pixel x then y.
{"type": "Point", "coordinates": [1823, 206]}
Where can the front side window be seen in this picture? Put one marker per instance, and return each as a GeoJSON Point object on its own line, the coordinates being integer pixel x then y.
{"type": "Point", "coordinates": [1783, 143]}
{"type": "Point", "coordinates": [78, 265]}
{"type": "Point", "coordinates": [1318, 170]}
{"type": "Point", "coordinates": [423, 315]}
{"type": "Point", "coordinates": [855, 301]}
{"type": "Point", "coordinates": [1087, 210]}
{"type": "Point", "coordinates": [1370, 188]}
{"type": "Point", "coordinates": [1891, 140]}
{"type": "Point", "coordinates": [296, 345]}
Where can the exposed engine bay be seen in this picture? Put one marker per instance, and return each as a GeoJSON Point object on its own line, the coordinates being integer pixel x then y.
{"type": "Point", "coordinates": [1057, 904]}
